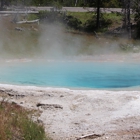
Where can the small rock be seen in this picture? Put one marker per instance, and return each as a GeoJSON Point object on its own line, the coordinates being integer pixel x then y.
{"type": "Point", "coordinates": [39, 121]}
{"type": "Point", "coordinates": [61, 96]}
{"type": "Point", "coordinates": [14, 102]}
{"type": "Point", "coordinates": [12, 113]}
{"type": "Point", "coordinates": [18, 29]}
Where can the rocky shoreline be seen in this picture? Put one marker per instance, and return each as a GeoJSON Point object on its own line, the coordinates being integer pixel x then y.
{"type": "Point", "coordinates": [81, 114]}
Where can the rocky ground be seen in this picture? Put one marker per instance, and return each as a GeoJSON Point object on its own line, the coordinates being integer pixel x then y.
{"type": "Point", "coordinates": [81, 114]}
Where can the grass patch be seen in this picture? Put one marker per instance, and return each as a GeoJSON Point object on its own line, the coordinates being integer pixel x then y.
{"type": "Point", "coordinates": [15, 124]}
{"type": "Point", "coordinates": [32, 17]}
{"type": "Point", "coordinates": [115, 18]}
{"type": "Point", "coordinates": [82, 16]}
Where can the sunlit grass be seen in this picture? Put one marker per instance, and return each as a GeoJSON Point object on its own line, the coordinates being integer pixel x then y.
{"type": "Point", "coordinates": [82, 16]}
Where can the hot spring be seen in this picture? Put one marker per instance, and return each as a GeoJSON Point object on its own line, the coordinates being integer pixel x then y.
{"type": "Point", "coordinates": [71, 74]}
{"type": "Point", "coordinates": [82, 55]}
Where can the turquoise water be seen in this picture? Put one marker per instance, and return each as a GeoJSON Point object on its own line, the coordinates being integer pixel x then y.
{"type": "Point", "coordinates": [72, 74]}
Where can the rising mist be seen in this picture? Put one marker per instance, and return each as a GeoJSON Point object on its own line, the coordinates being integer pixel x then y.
{"type": "Point", "coordinates": [53, 41]}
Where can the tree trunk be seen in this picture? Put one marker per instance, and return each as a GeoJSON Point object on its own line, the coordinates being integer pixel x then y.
{"type": "Point", "coordinates": [2, 4]}
{"type": "Point", "coordinates": [98, 14]}
{"type": "Point", "coordinates": [76, 2]}
{"type": "Point", "coordinates": [23, 2]}
{"type": "Point", "coordinates": [128, 20]}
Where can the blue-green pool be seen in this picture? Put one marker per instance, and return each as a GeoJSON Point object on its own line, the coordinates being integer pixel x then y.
{"type": "Point", "coordinates": [72, 74]}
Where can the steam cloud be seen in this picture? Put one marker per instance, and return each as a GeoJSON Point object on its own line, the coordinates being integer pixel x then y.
{"type": "Point", "coordinates": [51, 41]}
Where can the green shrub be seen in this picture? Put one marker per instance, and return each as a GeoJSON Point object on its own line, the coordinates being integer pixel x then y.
{"type": "Point", "coordinates": [73, 22]}
{"type": "Point", "coordinates": [90, 25]}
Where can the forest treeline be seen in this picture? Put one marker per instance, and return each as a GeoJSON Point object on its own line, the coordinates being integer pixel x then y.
{"type": "Point", "coordinates": [70, 3]}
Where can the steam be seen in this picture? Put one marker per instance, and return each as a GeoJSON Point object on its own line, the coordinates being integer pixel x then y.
{"type": "Point", "coordinates": [56, 43]}
{"type": "Point", "coordinates": [53, 42]}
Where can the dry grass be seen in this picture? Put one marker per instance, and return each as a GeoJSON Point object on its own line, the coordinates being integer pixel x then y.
{"type": "Point", "coordinates": [16, 125]}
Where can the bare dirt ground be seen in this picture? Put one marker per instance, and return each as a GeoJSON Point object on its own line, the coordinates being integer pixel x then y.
{"type": "Point", "coordinates": [81, 114]}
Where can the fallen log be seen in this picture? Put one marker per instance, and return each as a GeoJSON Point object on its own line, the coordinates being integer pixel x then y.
{"type": "Point", "coordinates": [28, 21]}
{"type": "Point", "coordinates": [91, 136]}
